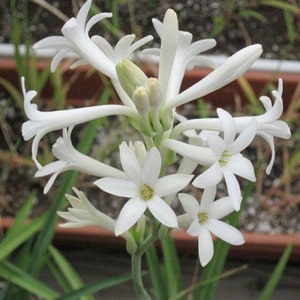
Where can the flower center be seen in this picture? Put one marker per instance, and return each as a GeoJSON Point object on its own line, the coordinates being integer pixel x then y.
{"type": "Point", "coordinates": [202, 217]}
{"type": "Point", "coordinates": [146, 192]}
{"type": "Point", "coordinates": [224, 157]}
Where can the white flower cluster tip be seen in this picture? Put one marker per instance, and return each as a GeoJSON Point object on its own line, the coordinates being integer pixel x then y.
{"type": "Point", "coordinates": [211, 154]}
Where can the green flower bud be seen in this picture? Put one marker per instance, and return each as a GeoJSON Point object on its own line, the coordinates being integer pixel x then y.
{"type": "Point", "coordinates": [130, 76]}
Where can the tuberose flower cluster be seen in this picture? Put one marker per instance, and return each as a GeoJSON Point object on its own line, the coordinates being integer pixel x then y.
{"type": "Point", "coordinates": [214, 144]}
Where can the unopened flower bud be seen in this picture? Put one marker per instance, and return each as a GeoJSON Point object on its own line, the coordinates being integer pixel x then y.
{"type": "Point", "coordinates": [154, 92]}
{"type": "Point", "coordinates": [130, 76]}
{"type": "Point", "coordinates": [155, 97]}
{"type": "Point", "coordinates": [141, 100]}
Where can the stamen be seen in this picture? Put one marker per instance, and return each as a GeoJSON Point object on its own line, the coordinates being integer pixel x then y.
{"type": "Point", "coordinates": [146, 192]}
{"type": "Point", "coordinates": [202, 217]}
{"type": "Point", "coordinates": [224, 157]}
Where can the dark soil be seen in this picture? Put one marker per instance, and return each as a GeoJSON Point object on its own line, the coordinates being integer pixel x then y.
{"type": "Point", "coordinates": [197, 17]}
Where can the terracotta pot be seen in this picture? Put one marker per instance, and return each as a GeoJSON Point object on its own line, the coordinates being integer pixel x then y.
{"type": "Point", "coordinates": [258, 246]}
{"type": "Point", "coordinates": [86, 84]}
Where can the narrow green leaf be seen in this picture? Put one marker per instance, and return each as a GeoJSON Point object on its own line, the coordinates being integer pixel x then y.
{"type": "Point", "coordinates": [115, 12]}
{"type": "Point", "coordinates": [189, 289]}
{"type": "Point", "coordinates": [67, 270]}
{"type": "Point", "coordinates": [253, 14]}
{"type": "Point", "coordinates": [20, 218]}
{"type": "Point", "coordinates": [20, 278]}
{"type": "Point", "coordinates": [291, 30]}
{"type": "Point", "coordinates": [7, 246]}
{"type": "Point", "coordinates": [156, 274]}
{"type": "Point", "coordinates": [13, 91]}
{"type": "Point", "coordinates": [277, 273]}
{"type": "Point", "coordinates": [219, 25]}
{"type": "Point", "coordinates": [248, 91]}
{"type": "Point", "coordinates": [171, 267]}
{"type": "Point", "coordinates": [96, 287]}
{"type": "Point", "coordinates": [284, 5]}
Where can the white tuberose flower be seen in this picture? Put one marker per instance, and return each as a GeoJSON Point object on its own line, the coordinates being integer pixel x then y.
{"type": "Point", "coordinates": [177, 53]}
{"type": "Point", "coordinates": [144, 188]}
{"type": "Point", "coordinates": [206, 221]}
{"type": "Point", "coordinates": [229, 161]}
{"type": "Point", "coordinates": [223, 156]}
{"type": "Point", "coordinates": [82, 213]}
{"type": "Point", "coordinates": [71, 159]}
{"type": "Point", "coordinates": [95, 50]}
{"type": "Point", "coordinates": [76, 40]}
{"type": "Point", "coordinates": [41, 123]}
{"type": "Point", "coordinates": [268, 124]}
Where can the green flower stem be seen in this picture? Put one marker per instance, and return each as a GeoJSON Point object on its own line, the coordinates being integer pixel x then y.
{"type": "Point", "coordinates": [137, 277]}
{"type": "Point", "coordinates": [136, 260]}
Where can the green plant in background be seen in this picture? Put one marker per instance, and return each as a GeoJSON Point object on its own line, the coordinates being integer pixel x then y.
{"type": "Point", "coordinates": [149, 104]}
{"type": "Point", "coordinates": [242, 12]}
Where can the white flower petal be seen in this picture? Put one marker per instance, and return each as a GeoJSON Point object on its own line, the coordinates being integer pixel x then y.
{"type": "Point", "coordinates": [210, 177]}
{"type": "Point", "coordinates": [228, 126]}
{"type": "Point", "coordinates": [162, 212]}
{"type": "Point", "coordinates": [233, 188]}
{"type": "Point", "coordinates": [234, 67]}
{"type": "Point", "coordinates": [122, 47]}
{"type": "Point", "coordinates": [58, 57]}
{"type": "Point", "coordinates": [215, 143]}
{"type": "Point", "coordinates": [245, 138]}
{"type": "Point", "coordinates": [83, 13]}
{"type": "Point", "coordinates": [277, 128]}
{"type": "Point", "coordinates": [201, 155]}
{"type": "Point", "coordinates": [95, 19]}
{"type": "Point", "coordinates": [129, 215]}
{"type": "Point", "coordinates": [184, 221]}
{"type": "Point", "coordinates": [221, 208]}
{"type": "Point", "coordinates": [270, 140]}
{"type": "Point", "coordinates": [189, 203]}
{"type": "Point", "coordinates": [118, 187]}
{"type": "Point", "coordinates": [130, 164]}
{"type": "Point", "coordinates": [169, 40]}
{"type": "Point", "coordinates": [139, 43]}
{"type": "Point", "coordinates": [104, 45]}
{"type": "Point", "coordinates": [241, 166]}
{"type": "Point", "coordinates": [151, 167]}
{"type": "Point", "coordinates": [195, 228]}
{"type": "Point", "coordinates": [59, 42]}
{"type": "Point", "coordinates": [50, 168]}
{"type": "Point", "coordinates": [225, 232]}
{"type": "Point", "coordinates": [208, 198]}
{"type": "Point", "coordinates": [171, 184]}
{"type": "Point", "coordinates": [205, 246]}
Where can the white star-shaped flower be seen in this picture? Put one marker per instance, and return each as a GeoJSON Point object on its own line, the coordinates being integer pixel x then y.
{"type": "Point", "coordinates": [229, 161]}
{"type": "Point", "coordinates": [205, 220]}
{"type": "Point", "coordinates": [144, 188]}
